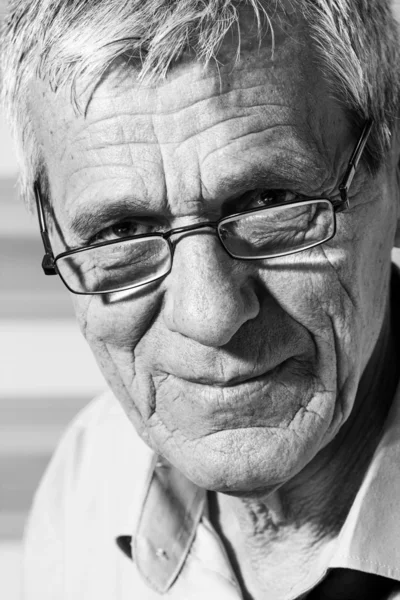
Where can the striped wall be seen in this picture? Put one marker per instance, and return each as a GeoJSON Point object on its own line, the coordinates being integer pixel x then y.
{"type": "Point", "coordinates": [47, 372]}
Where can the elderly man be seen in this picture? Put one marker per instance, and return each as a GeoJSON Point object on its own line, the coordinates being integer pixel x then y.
{"type": "Point", "coordinates": [217, 185]}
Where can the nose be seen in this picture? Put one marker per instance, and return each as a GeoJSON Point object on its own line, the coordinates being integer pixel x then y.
{"type": "Point", "coordinates": [209, 296]}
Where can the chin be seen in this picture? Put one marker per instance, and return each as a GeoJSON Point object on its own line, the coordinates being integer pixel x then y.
{"type": "Point", "coordinates": [242, 462]}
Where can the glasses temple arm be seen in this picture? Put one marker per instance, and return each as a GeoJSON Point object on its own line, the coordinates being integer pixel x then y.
{"type": "Point", "coordinates": [48, 265]}
{"type": "Point", "coordinates": [353, 164]}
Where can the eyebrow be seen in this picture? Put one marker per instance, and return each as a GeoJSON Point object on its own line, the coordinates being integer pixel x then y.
{"type": "Point", "coordinates": [307, 171]}
{"type": "Point", "coordinates": [86, 221]}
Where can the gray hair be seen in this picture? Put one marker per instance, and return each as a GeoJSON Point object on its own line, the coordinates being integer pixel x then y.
{"type": "Point", "coordinates": [61, 41]}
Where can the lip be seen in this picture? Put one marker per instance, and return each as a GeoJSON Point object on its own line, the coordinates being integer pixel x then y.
{"type": "Point", "coordinates": [234, 381]}
{"type": "Point", "coordinates": [259, 401]}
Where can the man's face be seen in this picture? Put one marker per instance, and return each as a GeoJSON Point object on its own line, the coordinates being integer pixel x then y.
{"type": "Point", "coordinates": [237, 372]}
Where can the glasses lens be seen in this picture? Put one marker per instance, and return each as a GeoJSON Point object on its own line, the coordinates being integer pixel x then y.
{"type": "Point", "coordinates": [116, 266]}
{"type": "Point", "coordinates": [280, 230]}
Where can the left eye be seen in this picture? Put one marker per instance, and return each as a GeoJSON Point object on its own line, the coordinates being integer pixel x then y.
{"type": "Point", "coordinates": [259, 198]}
{"type": "Point", "coordinates": [123, 229]}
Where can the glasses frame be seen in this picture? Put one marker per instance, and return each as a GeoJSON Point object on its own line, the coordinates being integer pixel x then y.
{"type": "Point", "coordinates": [49, 261]}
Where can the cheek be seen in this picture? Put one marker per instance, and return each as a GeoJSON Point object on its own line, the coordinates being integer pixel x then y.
{"type": "Point", "coordinates": [368, 237]}
{"type": "Point", "coordinates": [308, 288]}
{"type": "Point", "coordinates": [342, 286]}
{"type": "Point", "coordinates": [120, 319]}
{"type": "Point", "coordinates": [113, 327]}
{"type": "Point", "coordinates": [317, 290]}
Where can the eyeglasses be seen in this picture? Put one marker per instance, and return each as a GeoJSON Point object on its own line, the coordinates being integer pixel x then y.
{"type": "Point", "coordinates": [256, 234]}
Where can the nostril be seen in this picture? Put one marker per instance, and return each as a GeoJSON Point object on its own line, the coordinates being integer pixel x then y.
{"type": "Point", "coordinates": [210, 320]}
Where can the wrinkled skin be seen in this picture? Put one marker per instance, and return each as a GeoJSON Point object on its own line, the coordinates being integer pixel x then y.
{"type": "Point", "coordinates": [180, 355]}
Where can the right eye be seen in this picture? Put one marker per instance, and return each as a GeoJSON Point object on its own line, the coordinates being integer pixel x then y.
{"type": "Point", "coordinates": [123, 229]}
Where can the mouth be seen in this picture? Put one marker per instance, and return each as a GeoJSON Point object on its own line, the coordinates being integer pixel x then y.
{"type": "Point", "coordinates": [267, 399]}
{"type": "Point", "coordinates": [237, 380]}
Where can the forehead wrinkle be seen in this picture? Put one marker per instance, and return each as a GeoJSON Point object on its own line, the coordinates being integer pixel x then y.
{"type": "Point", "coordinates": [266, 152]}
{"type": "Point", "coordinates": [111, 156]}
{"type": "Point", "coordinates": [119, 179]}
{"type": "Point", "coordinates": [142, 126]}
{"type": "Point", "coordinates": [107, 130]}
{"type": "Point", "coordinates": [103, 128]}
{"type": "Point", "coordinates": [135, 127]}
{"type": "Point", "coordinates": [161, 97]}
{"type": "Point", "coordinates": [158, 98]}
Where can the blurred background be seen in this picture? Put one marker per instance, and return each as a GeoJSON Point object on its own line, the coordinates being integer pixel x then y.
{"type": "Point", "coordinates": [47, 371]}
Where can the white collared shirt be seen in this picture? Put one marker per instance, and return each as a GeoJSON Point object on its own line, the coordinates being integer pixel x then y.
{"type": "Point", "coordinates": [104, 483]}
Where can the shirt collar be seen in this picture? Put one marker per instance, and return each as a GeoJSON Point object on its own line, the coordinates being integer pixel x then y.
{"type": "Point", "coordinates": [171, 511]}
{"type": "Point", "coordinates": [370, 538]}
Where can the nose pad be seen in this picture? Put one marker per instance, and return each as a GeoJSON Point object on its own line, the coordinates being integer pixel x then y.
{"type": "Point", "coordinates": [208, 298]}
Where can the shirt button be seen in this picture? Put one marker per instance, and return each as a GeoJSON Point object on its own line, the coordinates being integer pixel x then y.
{"type": "Point", "coordinates": [161, 553]}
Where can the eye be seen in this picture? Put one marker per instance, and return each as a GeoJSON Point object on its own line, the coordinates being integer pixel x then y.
{"type": "Point", "coordinates": [123, 229]}
{"type": "Point", "coordinates": [260, 198]}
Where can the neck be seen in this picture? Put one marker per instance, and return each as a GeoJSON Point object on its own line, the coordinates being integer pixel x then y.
{"type": "Point", "coordinates": [277, 543]}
